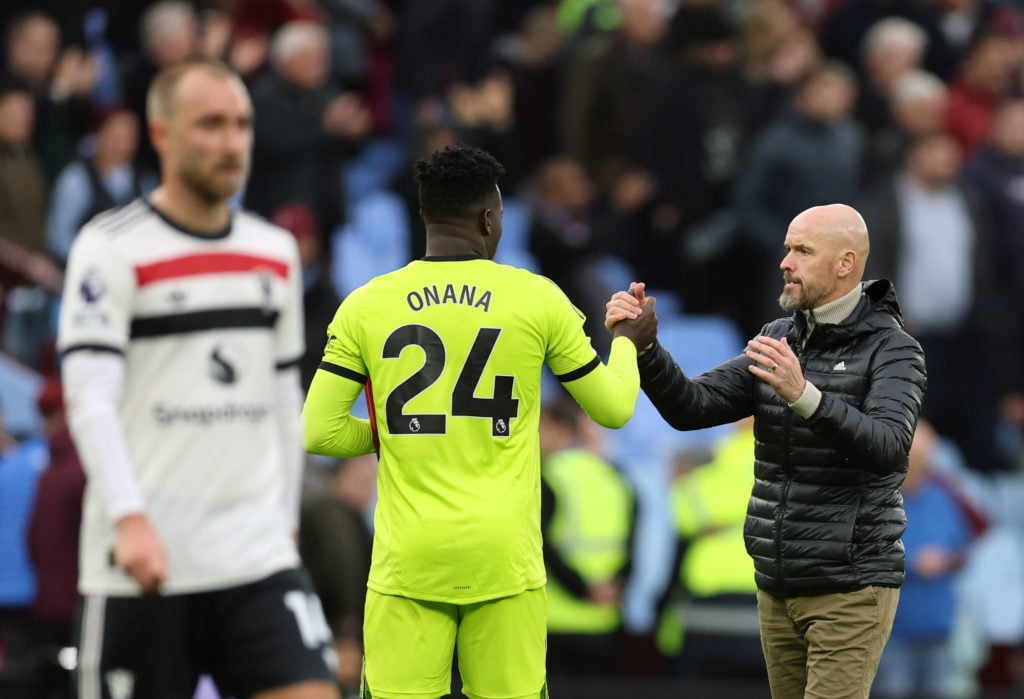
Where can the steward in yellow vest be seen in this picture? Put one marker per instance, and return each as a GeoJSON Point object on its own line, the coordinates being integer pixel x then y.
{"type": "Point", "coordinates": [588, 516]}
{"type": "Point", "coordinates": [708, 615]}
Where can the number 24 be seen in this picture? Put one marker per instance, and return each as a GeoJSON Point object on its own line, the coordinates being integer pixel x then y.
{"type": "Point", "coordinates": [500, 408]}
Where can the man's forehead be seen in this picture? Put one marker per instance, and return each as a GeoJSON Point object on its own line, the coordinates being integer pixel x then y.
{"type": "Point", "coordinates": [199, 89]}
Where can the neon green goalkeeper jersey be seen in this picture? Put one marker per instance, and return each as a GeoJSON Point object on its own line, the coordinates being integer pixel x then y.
{"type": "Point", "coordinates": [451, 351]}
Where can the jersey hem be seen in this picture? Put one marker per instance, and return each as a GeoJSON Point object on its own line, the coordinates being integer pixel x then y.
{"type": "Point", "coordinates": [448, 599]}
{"type": "Point", "coordinates": [127, 588]}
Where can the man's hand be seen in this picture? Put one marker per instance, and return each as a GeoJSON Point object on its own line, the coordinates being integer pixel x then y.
{"type": "Point", "coordinates": [140, 552]}
{"type": "Point", "coordinates": [776, 364]}
{"type": "Point", "coordinates": [606, 594]}
{"type": "Point", "coordinates": [350, 661]}
{"type": "Point", "coordinates": [933, 561]}
{"type": "Point", "coordinates": [631, 314]}
{"type": "Point", "coordinates": [624, 305]}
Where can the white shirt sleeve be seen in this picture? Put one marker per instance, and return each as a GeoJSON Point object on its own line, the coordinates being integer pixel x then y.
{"type": "Point", "coordinates": [288, 403]}
{"type": "Point", "coordinates": [92, 389]}
{"type": "Point", "coordinates": [95, 322]}
{"type": "Point", "coordinates": [96, 307]}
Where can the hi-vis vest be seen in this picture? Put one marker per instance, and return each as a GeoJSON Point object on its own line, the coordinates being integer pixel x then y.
{"type": "Point", "coordinates": [709, 507]}
{"type": "Point", "coordinates": [590, 528]}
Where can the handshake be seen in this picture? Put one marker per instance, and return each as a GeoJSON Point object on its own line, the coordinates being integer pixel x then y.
{"type": "Point", "coordinates": [631, 314]}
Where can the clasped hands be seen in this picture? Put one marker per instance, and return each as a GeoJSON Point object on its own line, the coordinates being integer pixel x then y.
{"type": "Point", "coordinates": [632, 313]}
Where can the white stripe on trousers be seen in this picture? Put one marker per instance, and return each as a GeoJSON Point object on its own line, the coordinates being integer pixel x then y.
{"type": "Point", "coordinates": [91, 648]}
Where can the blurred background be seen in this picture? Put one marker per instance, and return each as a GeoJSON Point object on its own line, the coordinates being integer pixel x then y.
{"type": "Point", "coordinates": [668, 141]}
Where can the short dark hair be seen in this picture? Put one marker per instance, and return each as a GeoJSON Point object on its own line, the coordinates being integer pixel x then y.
{"type": "Point", "coordinates": [457, 179]}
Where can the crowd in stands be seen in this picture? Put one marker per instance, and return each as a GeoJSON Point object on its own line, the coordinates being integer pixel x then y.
{"type": "Point", "coordinates": [664, 141]}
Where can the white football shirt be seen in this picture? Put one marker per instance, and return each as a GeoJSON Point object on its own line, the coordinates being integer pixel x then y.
{"type": "Point", "coordinates": [203, 323]}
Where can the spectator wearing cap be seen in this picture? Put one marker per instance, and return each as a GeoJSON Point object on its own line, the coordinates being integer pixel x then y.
{"type": "Point", "coordinates": [103, 180]}
{"type": "Point", "coordinates": [319, 299]}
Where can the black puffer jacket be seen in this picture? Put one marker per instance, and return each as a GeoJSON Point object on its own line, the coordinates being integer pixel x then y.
{"type": "Point", "coordinates": [825, 514]}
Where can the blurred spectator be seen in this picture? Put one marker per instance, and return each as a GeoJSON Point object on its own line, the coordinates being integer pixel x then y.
{"type": "Point", "coordinates": [778, 47]}
{"type": "Point", "coordinates": [984, 78]}
{"type": "Point", "coordinates": [53, 540]}
{"type": "Point", "coordinates": [843, 31]}
{"type": "Point", "coordinates": [918, 106]}
{"type": "Point", "coordinates": [319, 299]}
{"type": "Point", "coordinates": [709, 610]}
{"type": "Point", "coordinates": [59, 83]}
{"type": "Point", "coordinates": [21, 464]}
{"type": "Point", "coordinates": [253, 23]}
{"type": "Point", "coordinates": [305, 128]}
{"type": "Point", "coordinates": [23, 187]}
{"type": "Point", "coordinates": [809, 156]}
{"type": "Point", "coordinates": [335, 542]}
{"type": "Point", "coordinates": [426, 139]}
{"type": "Point", "coordinates": [892, 48]}
{"type": "Point", "coordinates": [608, 85]}
{"type": "Point", "coordinates": [168, 33]}
{"type": "Point", "coordinates": [23, 195]}
{"type": "Point", "coordinates": [997, 173]}
{"type": "Point", "coordinates": [918, 659]}
{"type": "Point", "coordinates": [535, 55]}
{"type": "Point", "coordinates": [565, 242]}
{"type": "Point", "coordinates": [588, 519]}
{"type": "Point", "coordinates": [106, 179]}
{"type": "Point", "coordinates": [694, 136]}
{"type": "Point", "coordinates": [353, 25]}
{"type": "Point", "coordinates": [483, 115]}
{"type": "Point", "coordinates": [441, 43]}
{"type": "Point", "coordinates": [930, 236]}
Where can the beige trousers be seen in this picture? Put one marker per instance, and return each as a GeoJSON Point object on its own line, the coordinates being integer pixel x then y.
{"type": "Point", "coordinates": [827, 646]}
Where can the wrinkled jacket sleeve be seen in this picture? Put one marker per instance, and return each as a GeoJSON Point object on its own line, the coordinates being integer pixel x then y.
{"type": "Point", "coordinates": [878, 436]}
{"type": "Point", "coordinates": [722, 395]}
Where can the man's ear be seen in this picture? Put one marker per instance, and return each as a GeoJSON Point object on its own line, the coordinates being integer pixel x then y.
{"type": "Point", "coordinates": [847, 263]}
{"type": "Point", "coordinates": [485, 222]}
{"type": "Point", "coordinates": [158, 136]}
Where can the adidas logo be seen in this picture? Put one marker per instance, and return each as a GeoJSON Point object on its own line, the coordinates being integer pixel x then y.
{"type": "Point", "coordinates": [841, 366]}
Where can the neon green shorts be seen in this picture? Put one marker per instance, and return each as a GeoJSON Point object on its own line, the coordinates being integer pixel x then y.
{"type": "Point", "coordinates": [408, 646]}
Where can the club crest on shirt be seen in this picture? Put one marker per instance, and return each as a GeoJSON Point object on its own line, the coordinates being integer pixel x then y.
{"type": "Point", "coordinates": [224, 364]}
{"type": "Point", "coordinates": [92, 287]}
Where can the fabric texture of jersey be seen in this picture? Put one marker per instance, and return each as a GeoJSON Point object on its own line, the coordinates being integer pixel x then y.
{"type": "Point", "coordinates": [455, 351]}
{"type": "Point", "coordinates": [203, 323]}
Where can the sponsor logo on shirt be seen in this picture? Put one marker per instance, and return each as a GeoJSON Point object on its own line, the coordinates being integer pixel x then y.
{"type": "Point", "coordinates": [208, 415]}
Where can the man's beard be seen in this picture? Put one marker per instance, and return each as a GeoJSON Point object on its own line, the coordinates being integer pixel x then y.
{"type": "Point", "coordinates": [205, 187]}
{"type": "Point", "coordinates": [810, 298]}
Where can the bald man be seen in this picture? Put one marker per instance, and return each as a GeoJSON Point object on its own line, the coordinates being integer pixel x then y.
{"type": "Point", "coordinates": [835, 389]}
